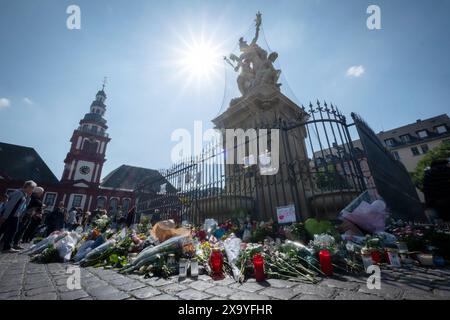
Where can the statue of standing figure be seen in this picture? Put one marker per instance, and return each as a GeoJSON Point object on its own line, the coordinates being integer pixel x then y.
{"type": "Point", "coordinates": [256, 67]}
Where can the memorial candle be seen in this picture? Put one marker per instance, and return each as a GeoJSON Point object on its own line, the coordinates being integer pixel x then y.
{"type": "Point", "coordinates": [375, 256]}
{"type": "Point", "coordinates": [258, 264]}
{"type": "Point", "coordinates": [325, 262]}
{"type": "Point", "coordinates": [216, 262]}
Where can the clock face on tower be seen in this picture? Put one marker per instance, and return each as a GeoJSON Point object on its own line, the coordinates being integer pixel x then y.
{"type": "Point", "coordinates": [84, 170]}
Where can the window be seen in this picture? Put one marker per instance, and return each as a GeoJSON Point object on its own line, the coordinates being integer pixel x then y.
{"type": "Point", "coordinates": [50, 198]}
{"type": "Point", "coordinates": [424, 148]}
{"type": "Point", "coordinates": [415, 151]}
{"type": "Point", "coordinates": [405, 138]}
{"type": "Point", "coordinates": [76, 202]}
{"type": "Point", "coordinates": [422, 134]}
{"type": "Point", "coordinates": [101, 201]}
{"type": "Point", "coordinates": [113, 203]}
{"type": "Point", "coordinates": [126, 205]}
{"type": "Point", "coordinates": [389, 142]}
{"type": "Point", "coordinates": [396, 155]}
{"type": "Point", "coordinates": [441, 129]}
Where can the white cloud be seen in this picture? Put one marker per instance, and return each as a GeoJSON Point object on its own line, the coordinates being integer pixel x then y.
{"type": "Point", "coordinates": [4, 103]}
{"type": "Point", "coordinates": [28, 101]}
{"type": "Point", "coordinates": [355, 71]}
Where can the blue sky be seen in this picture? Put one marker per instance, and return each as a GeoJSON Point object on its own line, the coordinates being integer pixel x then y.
{"type": "Point", "coordinates": [49, 74]}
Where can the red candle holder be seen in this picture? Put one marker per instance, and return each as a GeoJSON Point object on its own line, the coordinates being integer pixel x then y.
{"type": "Point", "coordinates": [258, 265]}
{"type": "Point", "coordinates": [376, 257]}
{"type": "Point", "coordinates": [325, 262]}
{"type": "Point", "coordinates": [216, 262]}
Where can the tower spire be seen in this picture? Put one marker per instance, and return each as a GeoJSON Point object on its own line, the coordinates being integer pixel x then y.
{"type": "Point", "coordinates": [104, 82]}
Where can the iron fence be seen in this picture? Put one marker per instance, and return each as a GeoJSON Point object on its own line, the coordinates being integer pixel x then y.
{"type": "Point", "coordinates": [318, 173]}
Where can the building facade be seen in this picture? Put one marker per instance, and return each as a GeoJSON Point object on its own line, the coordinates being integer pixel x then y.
{"type": "Point", "coordinates": [411, 142]}
{"type": "Point", "coordinates": [80, 185]}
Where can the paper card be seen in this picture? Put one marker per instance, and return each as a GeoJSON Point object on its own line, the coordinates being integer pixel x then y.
{"type": "Point", "coordinates": [286, 214]}
{"type": "Point", "coordinates": [394, 259]}
{"type": "Point", "coordinates": [367, 261]}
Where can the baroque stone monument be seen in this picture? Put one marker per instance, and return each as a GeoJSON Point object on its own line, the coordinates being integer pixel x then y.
{"type": "Point", "coordinates": [261, 105]}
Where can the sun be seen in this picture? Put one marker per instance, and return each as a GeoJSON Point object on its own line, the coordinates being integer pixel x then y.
{"type": "Point", "coordinates": [199, 60]}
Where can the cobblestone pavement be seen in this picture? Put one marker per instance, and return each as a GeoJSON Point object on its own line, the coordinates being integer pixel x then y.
{"type": "Point", "coordinates": [22, 279]}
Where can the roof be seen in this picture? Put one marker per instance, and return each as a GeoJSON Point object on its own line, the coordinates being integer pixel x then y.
{"type": "Point", "coordinates": [127, 177]}
{"type": "Point", "coordinates": [24, 163]}
{"type": "Point", "coordinates": [101, 93]}
{"type": "Point", "coordinates": [411, 129]}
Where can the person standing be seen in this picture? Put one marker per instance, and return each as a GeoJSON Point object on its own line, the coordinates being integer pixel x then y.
{"type": "Point", "coordinates": [72, 219]}
{"type": "Point", "coordinates": [55, 219]}
{"type": "Point", "coordinates": [12, 212]}
{"type": "Point", "coordinates": [3, 200]}
{"type": "Point", "coordinates": [131, 216]}
{"type": "Point", "coordinates": [436, 188]}
{"type": "Point", "coordinates": [34, 204]}
{"type": "Point", "coordinates": [86, 220]}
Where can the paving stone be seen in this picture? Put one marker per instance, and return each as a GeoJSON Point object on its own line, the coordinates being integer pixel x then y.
{"type": "Point", "coordinates": [314, 289]}
{"type": "Point", "coordinates": [277, 283]}
{"type": "Point", "coordinates": [283, 294]}
{"type": "Point", "coordinates": [131, 285]}
{"type": "Point", "coordinates": [11, 282]}
{"type": "Point", "coordinates": [158, 282]}
{"type": "Point", "coordinates": [191, 294]}
{"type": "Point", "coordinates": [224, 282]}
{"type": "Point", "coordinates": [118, 281]}
{"type": "Point", "coordinates": [145, 293]}
{"type": "Point", "coordinates": [309, 297]}
{"type": "Point", "coordinates": [173, 288]}
{"type": "Point", "coordinates": [220, 291]}
{"type": "Point", "coordinates": [248, 296]}
{"type": "Point", "coordinates": [386, 291]}
{"type": "Point", "coordinates": [413, 294]}
{"type": "Point", "coordinates": [9, 295]}
{"type": "Point", "coordinates": [348, 295]}
{"type": "Point", "coordinates": [73, 295]}
{"type": "Point", "coordinates": [201, 285]}
{"type": "Point", "coordinates": [9, 288]}
{"type": "Point", "coordinates": [93, 283]}
{"type": "Point", "coordinates": [107, 293]}
{"type": "Point", "coordinates": [334, 283]}
{"type": "Point", "coordinates": [43, 296]}
{"type": "Point", "coordinates": [30, 286]}
{"type": "Point", "coordinates": [218, 298]}
{"type": "Point", "coordinates": [441, 294]}
{"type": "Point", "coordinates": [249, 286]}
{"type": "Point", "coordinates": [39, 291]}
{"type": "Point", "coordinates": [163, 297]}
{"type": "Point", "coordinates": [205, 277]}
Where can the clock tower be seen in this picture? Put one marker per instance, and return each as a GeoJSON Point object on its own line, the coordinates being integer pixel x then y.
{"type": "Point", "coordinates": [84, 162]}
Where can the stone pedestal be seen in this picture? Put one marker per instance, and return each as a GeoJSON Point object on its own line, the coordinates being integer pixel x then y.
{"type": "Point", "coordinates": [263, 107]}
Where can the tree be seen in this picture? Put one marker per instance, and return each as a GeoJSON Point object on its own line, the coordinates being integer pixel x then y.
{"type": "Point", "coordinates": [441, 152]}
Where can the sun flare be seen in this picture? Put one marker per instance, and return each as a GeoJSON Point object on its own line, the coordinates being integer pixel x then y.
{"type": "Point", "coordinates": [200, 60]}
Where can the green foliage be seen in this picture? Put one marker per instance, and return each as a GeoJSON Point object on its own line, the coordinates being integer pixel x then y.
{"type": "Point", "coordinates": [49, 255]}
{"type": "Point", "coordinates": [441, 152]}
{"type": "Point", "coordinates": [328, 179]}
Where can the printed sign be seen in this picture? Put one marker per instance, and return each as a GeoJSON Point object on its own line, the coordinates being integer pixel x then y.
{"type": "Point", "coordinates": [394, 259]}
{"type": "Point", "coordinates": [286, 214]}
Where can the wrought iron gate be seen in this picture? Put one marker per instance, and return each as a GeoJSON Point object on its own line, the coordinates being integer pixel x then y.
{"type": "Point", "coordinates": [390, 176]}
{"type": "Point", "coordinates": [319, 173]}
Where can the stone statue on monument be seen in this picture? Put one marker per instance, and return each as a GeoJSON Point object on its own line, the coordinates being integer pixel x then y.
{"type": "Point", "coordinates": [255, 65]}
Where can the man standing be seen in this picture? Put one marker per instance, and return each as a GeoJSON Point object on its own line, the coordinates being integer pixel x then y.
{"type": "Point", "coordinates": [35, 204]}
{"type": "Point", "coordinates": [72, 219]}
{"type": "Point", "coordinates": [436, 187]}
{"type": "Point", "coordinates": [12, 212]}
